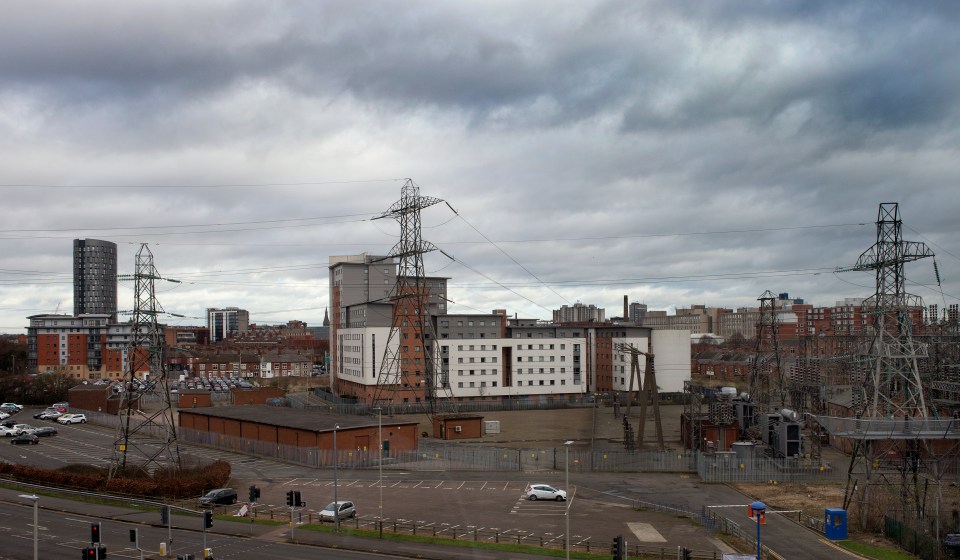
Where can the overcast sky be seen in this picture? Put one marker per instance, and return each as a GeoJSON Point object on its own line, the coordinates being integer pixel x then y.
{"type": "Point", "coordinates": [674, 152]}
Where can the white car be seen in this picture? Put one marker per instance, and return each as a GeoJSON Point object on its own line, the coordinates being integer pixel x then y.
{"type": "Point", "coordinates": [545, 492]}
{"type": "Point", "coordinates": [346, 508]}
{"type": "Point", "coordinates": [4, 415]}
{"type": "Point", "coordinates": [73, 419]}
{"type": "Point", "coordinates": [24, 428]}
{"type": "Point", "coordinates": [12, 406]}
{"type": "Point", "coordinates": [9, 431]}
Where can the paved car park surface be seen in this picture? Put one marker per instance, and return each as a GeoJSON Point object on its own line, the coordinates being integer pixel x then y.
{"type": "Point", "coordinates": [601, 504]}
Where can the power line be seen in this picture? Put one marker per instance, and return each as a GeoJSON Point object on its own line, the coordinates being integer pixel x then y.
{"type": "Point", "coordinates": [208, 186]}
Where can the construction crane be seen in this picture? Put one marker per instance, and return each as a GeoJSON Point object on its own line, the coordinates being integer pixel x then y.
{"type": "Point", "coordinates": [647, 391]}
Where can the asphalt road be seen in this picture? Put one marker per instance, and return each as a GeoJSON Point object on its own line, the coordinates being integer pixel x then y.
{"type": "Point", "coordinates": [601, 505]}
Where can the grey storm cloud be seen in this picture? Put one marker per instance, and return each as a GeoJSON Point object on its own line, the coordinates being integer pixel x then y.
{"type": "Point", "coordinates": [678, 152]}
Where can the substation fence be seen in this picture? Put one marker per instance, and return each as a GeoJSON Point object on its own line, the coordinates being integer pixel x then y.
{"type": "Point", "coordinates": [910, 539]}
{"type": "Point", "coordinates": [433, 456]}
{"type": "Point", "coordinates": [727, 468]}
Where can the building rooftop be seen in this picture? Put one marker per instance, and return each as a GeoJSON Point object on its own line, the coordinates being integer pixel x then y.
{"type": "Point", "coordinates": [294, 418]}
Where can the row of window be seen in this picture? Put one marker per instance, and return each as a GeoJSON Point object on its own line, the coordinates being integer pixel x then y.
{"type": "Point", "coordinates": [483, 360]}
{"type": "Point", "coordinates": [473, 384]}
{"type": "Point", "coordinates": [470, 323]}
{"type": "Point", "coordinates": [530, 358]}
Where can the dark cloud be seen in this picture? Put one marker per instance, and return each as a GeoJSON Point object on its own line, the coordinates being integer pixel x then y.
{"type": "Point", "coordinates": [676, 152]}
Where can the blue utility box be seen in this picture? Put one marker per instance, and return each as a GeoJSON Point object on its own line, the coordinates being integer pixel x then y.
{"type": "Point", "coordinates": [835, 523]}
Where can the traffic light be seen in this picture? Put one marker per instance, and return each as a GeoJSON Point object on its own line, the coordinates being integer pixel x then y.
{"type": "Point", "coordinates": [94, 553]}
{"type": "Point", "coordinates": [297, 501]}
{"type": "Point", "coordinates": [290, 498]}
{"type": "Point", "coordinates": [618, 547]}
{"type": "Point", "coordinates": [94, 533]}
{"type": "Point", "coordinates": [164, 515]}
{"type": "Point", "coordinates": [207, 519]}
{"type": "Point", "coordinates": [134, 537]}
{"type": "Point", "coordinates": [687, 553]}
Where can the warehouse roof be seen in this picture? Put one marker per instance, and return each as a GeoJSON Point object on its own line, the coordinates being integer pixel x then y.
{"type": "Point", "coordinates": [293, 418]}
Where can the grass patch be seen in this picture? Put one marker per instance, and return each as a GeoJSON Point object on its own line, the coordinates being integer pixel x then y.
{"type": "Point", "coordinates": [463, 543]}
{"type": "Point", "coordinates": [256, 521]}
{"type": "Point", "coordinates": [875, 552]}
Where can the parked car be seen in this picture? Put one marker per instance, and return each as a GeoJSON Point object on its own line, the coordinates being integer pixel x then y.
{"type": "Point", "coordinates": [345, 508]}
{"type": "Point", "coordinates": [9, 423]}
{"type": "Point", "coordinates": [24, 428]}
{"type": "Point", "coordinates": [25, 439]}
{"type": "Point", "coordinates": [9, 431]}
{"type": "Point", "coordinates": [219, 496]}
{"type": "Point", "coordinates": [4, 415]}
{"type": "Point", "coordinates": [61, 406]}
{"type": "Point", "coordinates": [13, 406]}
{"type": "Point", "coordinates": [545, 492]}
{"type": "Point", "coordinates": [45, 431]}
{"type": "Point", "coordinates": [50, 414]}
{"type": "Point", "coordinates": [73, 419]}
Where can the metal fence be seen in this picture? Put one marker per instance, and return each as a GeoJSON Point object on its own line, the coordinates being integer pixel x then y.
{"type": "Point", "coordinates": [456, 457]}
{"type": "Point", "coordinates": [727, 467]}
{"type": "Point", "coordinates": [474, 534]}
{"type": "Point", "coordinates": [911, 540]}
{"type": "Point", "coordinates": [439, 454]}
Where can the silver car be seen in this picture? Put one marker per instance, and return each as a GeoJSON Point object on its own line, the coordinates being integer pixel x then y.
{"type": "Point", "coordinates": [545, 492]}
{"type": "Point", "coordinates": [346, 510]}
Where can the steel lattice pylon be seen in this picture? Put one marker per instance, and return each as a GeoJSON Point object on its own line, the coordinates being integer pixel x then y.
{"type": "Point", "coordinates": [887, 386]}
{"type": "Point", "coordinates": [409, 372]}
{"type": "Point", "coordinates": [766, 374]}
{"type": "Point", "coordinates": [892, 386]}
{"type": "Point", "coordinates": [146, 438]}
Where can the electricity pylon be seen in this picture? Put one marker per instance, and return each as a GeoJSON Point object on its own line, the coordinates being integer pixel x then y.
{"type": "Point", "coordinates": [409, 370]}
{"type": "Point", "coordinates": [891, 432]}
{"type": "Point", "coordinates": [146, 432]}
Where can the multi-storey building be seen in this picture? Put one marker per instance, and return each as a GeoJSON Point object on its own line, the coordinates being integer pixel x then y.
{"type": "Point", "coordinates": [636, 313]}
{"type": "Point", "coordinates": [227, 322]}
{"type": "Point", "coordinates": [84, 347]}
{"type": "Point", "coordinates": [578, 313]}
{"type": "Point", "coordinates": [94, 277]}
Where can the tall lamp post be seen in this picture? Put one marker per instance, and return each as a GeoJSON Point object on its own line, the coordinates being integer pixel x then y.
{"type": "Point", "coordinates": [36, 524]}
{"type": "Point", "coordinates": [336, 504]}
{"type": "Point", "coordinates": [380, 461]}
{"type": "Point", "coordinates": [566, 537]}
{"type": "Point", "coordinates": [759, 508]}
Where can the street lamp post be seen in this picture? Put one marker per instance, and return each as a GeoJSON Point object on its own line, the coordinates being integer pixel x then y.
{"type": "Point", "coordinates": [336, 504]}
{"type": "Point", "coordinates": [758, 508]}
{"type": "Point", "coordinates": [36, 524]}
{"type": "Point", "coordinates": [380, 461]}
{"type": "Point", "coordinates": [566, 537]}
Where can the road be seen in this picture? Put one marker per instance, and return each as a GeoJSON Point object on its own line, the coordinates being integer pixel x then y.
{"type": "Point", "coordinates": [602, 504]}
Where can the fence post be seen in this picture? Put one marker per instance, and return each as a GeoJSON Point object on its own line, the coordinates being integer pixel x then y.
{"type": "Point", "coordinates": [474, 534]}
